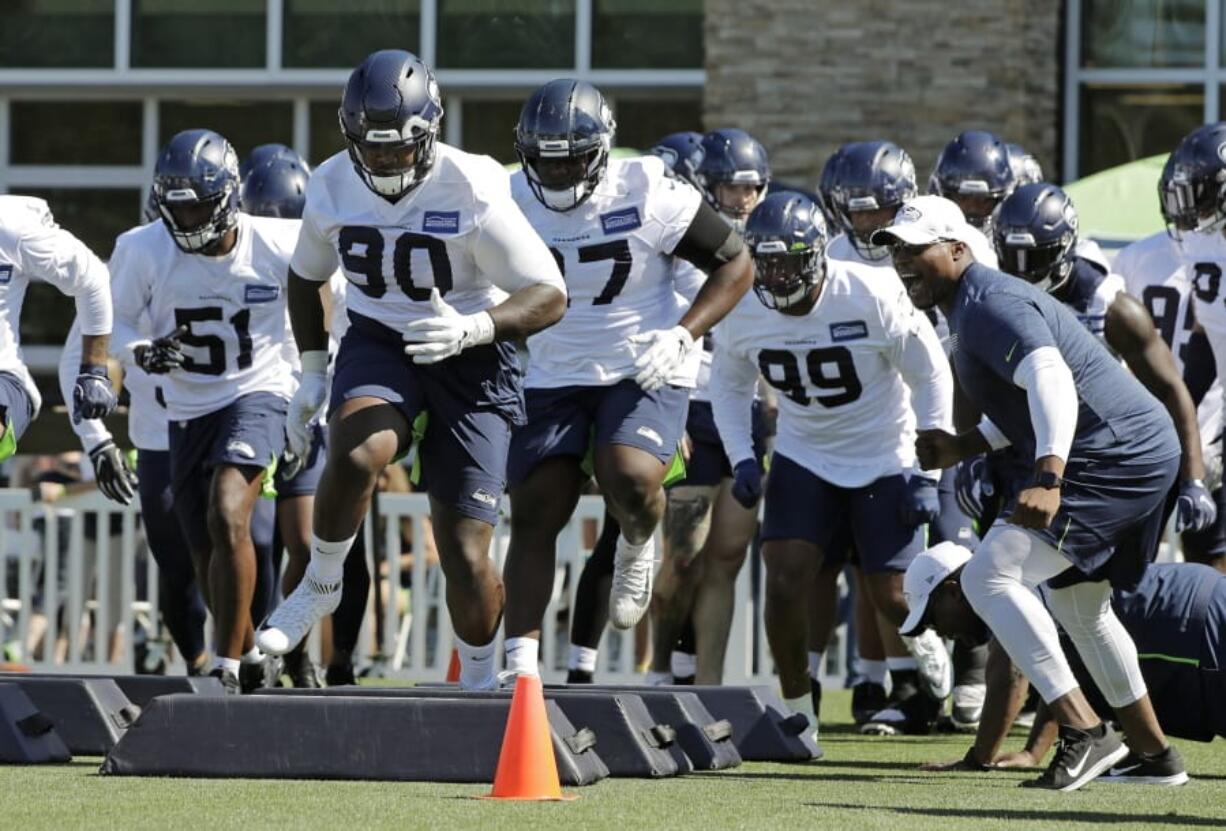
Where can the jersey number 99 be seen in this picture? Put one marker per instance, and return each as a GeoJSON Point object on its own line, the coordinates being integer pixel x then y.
{"type": "Point", "coordinates": [781, 369]}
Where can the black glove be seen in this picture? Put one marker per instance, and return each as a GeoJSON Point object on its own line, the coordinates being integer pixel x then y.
{"type": "Point", "coordinates": [163, 355]}
{"type": "Point", "coordinates": [92, 395]}
{"type": "Point", "coordinates": [747, 483]}
{"type": "Point", "coordinates": [115, 479]}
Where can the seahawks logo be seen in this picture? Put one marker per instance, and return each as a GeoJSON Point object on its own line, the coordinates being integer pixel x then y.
{"type": "Point", "coordinates": [908, 213]}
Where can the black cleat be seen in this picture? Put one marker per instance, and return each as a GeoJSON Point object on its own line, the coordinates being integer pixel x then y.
{"type": "Point", "coordinates": [867, 698]}
{"type": "Point", "coordinates": [340, 675]}
{"type": "Point", "coordinates": [229, 684]}
{"type": "Point", "coordinates": [1165, 768]}
{"type": "Point", "coordinates": [301, 670]}
{"type": "Point", "coordinates": [911, 713]}
{"type": "Point", "coordinates": [578, 676]}
{"type": "Point", "coordinates": [1080, 757]}
{"type": "Point", "coordinates": [683, 680]}
{"type": "Point", "coordinates": [263, 675]}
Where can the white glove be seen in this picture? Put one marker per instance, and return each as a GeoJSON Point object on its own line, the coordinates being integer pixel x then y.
{"type": "Point", "coordinates": [668, 349]}
{"type": "Point", "coordinates": [432, 339]}
{"type": "Point", "coordinates": [307, 401]}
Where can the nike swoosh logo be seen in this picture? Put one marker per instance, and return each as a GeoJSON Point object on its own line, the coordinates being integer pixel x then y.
{"type": "Point", "coordinates": [1076, 771]}
{"type": "Point", "coordinates": [1009, 354]}
{"type": "Point", "coordinates": [1122, 771]}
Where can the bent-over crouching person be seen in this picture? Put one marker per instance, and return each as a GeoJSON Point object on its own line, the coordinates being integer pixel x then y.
{"type": "Point", "coordinates": [1105, 457]}
{"type": "Point", "coordinates": [432, 244]}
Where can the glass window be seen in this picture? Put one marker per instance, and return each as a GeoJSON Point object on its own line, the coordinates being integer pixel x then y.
{"type": "Point", "coordinates": [1120, 124]}
{"type": "Point", "coordinates": [650, 34]}
{"type": "Point", "coordinates": [96, 217]}
{"type": "Point", "coordinates": [245, 123]}
{"type": "Point", "coordinates": [489, 127]}
{"type": "Point", "coordinates": [1123, 33]}
{"type": "Point", "coordinates": [640, 123]}
{"type": "Point", "coordinates": [58, 33]}
{"type": "Point", "coordinates": [328, 33]}
{"type": "Point", "coordinates": [220, 33]}
{"type": "Point", "coordinates": [326, 138]}
{"type": "Point", "coordinates": [36, 135]}
{"type": "Point", "coordinates": [502, 34]}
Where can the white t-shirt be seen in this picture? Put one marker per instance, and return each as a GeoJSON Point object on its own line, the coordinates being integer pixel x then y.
{"type": "Point", "coordinates": [854, 377]}
{"type": "Point", "coordinates": [616, 255]}
{"type": "Point", "coordinates": [234, 305]}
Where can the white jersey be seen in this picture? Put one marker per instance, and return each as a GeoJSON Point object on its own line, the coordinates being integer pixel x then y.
{"type": "Point", "coordinates": [855, 375]}
{"type": "Point", "coordinates": [1156, 272]}
{"type": "Point", "coordinates": [616, 255]}
{"type": "Point", "coordinates": [32, 246]}
{"type": "Point", "coordinates": [458, 231]}
{"type": "Point", "coordinates": [233, 306]}
{"type": "Point", "coordinates": [1089, 294]}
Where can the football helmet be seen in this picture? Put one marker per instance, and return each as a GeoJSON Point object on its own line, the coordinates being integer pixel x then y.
{"type": "Point", "coordinates": [681, 152]}
{"type": "Point", "coordinates": [973, 170]}
{"type": "Point", "coordinates": [195, 188]}
{"type": "Point", "coordinates": [389, 114]}
{"type": "Point", "coordinates": [733, 157]}
{"type": "Point", "coordinates": [869, 176]}
{"type": "Point", "coordinates": [1192, 187]}
{"type": "Point", "coordinates": [1035, 235]}
{"type": "Point", "coordinates": [1026, 168]}
{"type": "Point", "coordinates": [563, 138]}
{"type": "Point", "coordinates": [275, 186]}
{"type": "Point", "coordinates": [786, 237]}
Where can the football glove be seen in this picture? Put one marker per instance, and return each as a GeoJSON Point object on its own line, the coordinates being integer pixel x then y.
{"type": "Point", "coordinates": [163, 354]}
{"type": "Point", "coordinates": [92, 394]}
{"type": "Point", "coordinates": [747, 483]}
{"type": "Point", "coordinates": [1195, 509]}
{"type": "Point", "coordinates": [306, 403]}
{"type": "Point", "coordinates": [448, 333]}
{"type": "Point", "coordinates": [115, 479]}
{"type": "Point", "coordinates": [667, 349]}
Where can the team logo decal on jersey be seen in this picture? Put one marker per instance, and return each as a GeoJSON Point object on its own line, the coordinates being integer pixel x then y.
{"type": "Point", "coordinates": [261, 294]}
{"type": "Point", "coordinates": [848, 330]}
{"type": "Point", "coordinates": [619, 222]}
{"type": "Point", "coordinates": [441, 222]}
{"type": "Point", "coordinates": [6, 274]}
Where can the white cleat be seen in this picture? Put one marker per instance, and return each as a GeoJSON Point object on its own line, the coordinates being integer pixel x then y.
{"type": "Point", "coordinates": [292, 620]}
{"type": "Point", "coordinates": [630, 593]}
{"type": "Point", "coordinates": [936, 671]}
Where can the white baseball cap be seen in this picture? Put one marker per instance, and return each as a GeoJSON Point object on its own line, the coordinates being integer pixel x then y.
{"type": "Point", "coordinates": [927, 571]}
{"type": "Point", "coordinates": [923, 221]}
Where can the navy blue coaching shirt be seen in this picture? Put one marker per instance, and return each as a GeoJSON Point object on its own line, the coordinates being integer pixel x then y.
{"type": "Point", "coordinates": [1125, 453]}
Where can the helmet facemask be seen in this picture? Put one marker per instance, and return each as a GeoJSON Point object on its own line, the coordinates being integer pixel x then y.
{"type": "Point", "coordinates": [194, 223]}
{"type": "Point", "coordinates": [394, 162]}
{"type": "Point", "coordinates": [1190, 204]}
{"type": "Point", "coordinates": [1046, 267]}
{"type": "Point", "coordinates": [784, 278]}
{"type": "Point", "coordinates": [560, 177]}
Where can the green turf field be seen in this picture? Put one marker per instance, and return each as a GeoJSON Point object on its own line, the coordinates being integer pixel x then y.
{"type": "Point", "coordinates": [862, 783]}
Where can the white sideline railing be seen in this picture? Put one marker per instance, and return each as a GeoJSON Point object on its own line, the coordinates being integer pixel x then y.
{"type": "Point", "coordinates": [99, 586]}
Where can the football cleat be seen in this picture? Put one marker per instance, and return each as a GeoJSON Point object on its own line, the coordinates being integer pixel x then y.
{"type": "Point", "coordinates": [292, 620]}
{"type": "Point", "coordinates": [630, 593]}
{"type": "Point", "coordinates": [935, 668]}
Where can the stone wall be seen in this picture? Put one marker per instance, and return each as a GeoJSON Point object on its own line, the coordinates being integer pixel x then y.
{"type": "Point", "coordinates": [805, 76]}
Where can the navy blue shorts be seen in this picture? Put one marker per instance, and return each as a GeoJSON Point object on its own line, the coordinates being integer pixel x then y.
{"type": "Point", "coordinates": [708, 463]}
{"type": "Point", "coordinates": [472, 399]}
{"type": "Point", "coordinates": [800, 505]}
{"type": "Point", "coordinates": [306, 481]}
{"type": "Point", "coordinates": [565, 421]}
{"type": "Point", "coordinates": [250, 431]}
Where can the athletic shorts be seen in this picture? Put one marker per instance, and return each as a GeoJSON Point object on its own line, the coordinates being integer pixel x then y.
{"type": "Point", "coordinates": [708, 463]}
{"type": "Point", "coordinates": [249, 431]}
{"type": "Point", "coordinates": [565, 421]}
{"type": "Point", "coordinates": [801, 505]}
{"type": "Point", "coordinates": [472, 399]}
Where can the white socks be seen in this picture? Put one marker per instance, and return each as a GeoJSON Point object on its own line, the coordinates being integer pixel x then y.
{"type": "Point", "coordinates": [522, 656]}
{"type": "Point", "coordinates": [230, 665]}
{"type": "Point", "coordinates": [582, 658]}
{"type": "Point", "coordinates": [328, 558]}
{"type": "Point", "coordinates": [628, 551]}
{"type": "Point", "coordinates": [476, 666]}
{"type": "Point", "coordinates": [804, 704]}
{"type": "Point", "coordinates": [253, 656]}
{"type": "Point", "coordinates": [683, 664]}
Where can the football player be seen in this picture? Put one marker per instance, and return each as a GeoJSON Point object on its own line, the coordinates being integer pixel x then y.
{"type": "Point", "coordinates": [445, 275]}
{"type": "Point", "coordinates": [211, 280]}
{"type": "Point", "coordinates": [733, 173]}
{"type": "Point", "coordinates": [974, 172]}
{"type": "Point", "coordinates": [613, 377]}
{"type": "Point", "coordinates": [856, 368]}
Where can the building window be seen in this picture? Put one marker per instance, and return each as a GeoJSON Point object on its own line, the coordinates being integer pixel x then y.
{"type": "Point", "coordinates": [506, 34]}
{"type": "Point", "coordinates": [113, 137]}
{"type": "Point", "coordinates": [245, 123]}
{"type": "Point", "coordinates": [319, 33]}
{"type": "Point", "coordinates": [326, 138]}
{"type": "Point", "coordinates": [646, 34]}
{"type": "Point", "coordinates": [1125, 33]}
{"type": "Point", "coordinates": [643, 122]}
{"type": "Point", "coordinates": [488, 127]}
{"type": "Point", "coordinates": [221, 34]}
{"type": "Point", "coordinates": [57, 34]}
{"type": "Point", "coordinates": [1120, 124]}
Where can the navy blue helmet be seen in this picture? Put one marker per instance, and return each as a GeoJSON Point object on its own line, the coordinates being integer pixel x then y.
{"type": "Point", "coordinates": [786, 237]}
{"type": "Point", "coordinates": [869, 176]}
{"type": "Point", "coordinates": [973, 171]}
{"type": "Point", "coordinates": [562, 139]}
{"type": "Point", "coordinates": [681, 152]}
{"type": "Point", "coordinates": [265, 153]}
{"type": "Point", "coordinates": [1035, 234]}
{"type": "Point", "coordinates": [1192, 187]}
{"type": "Point", "coordinates": [825, 187]}
{"type": "Point", "coordinates": [1026, 168]}
{"type": "Point", "coordinates": [390, 113]}
{"type": "Point", "coordinates": [276, 186]}
{"type": "Point", "coordinates": [195, 186]}
{"type": "Point", "coordinates": [733, 157]}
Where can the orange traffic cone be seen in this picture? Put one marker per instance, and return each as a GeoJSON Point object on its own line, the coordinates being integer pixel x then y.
{"type": "Point", "coordinates": [453, 668]}
{"type": "Point", "coordinates": [526, 767]}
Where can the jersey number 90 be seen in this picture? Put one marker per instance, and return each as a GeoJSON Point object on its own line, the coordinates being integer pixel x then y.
{"type": "Point", "coordinates": [361, 249]}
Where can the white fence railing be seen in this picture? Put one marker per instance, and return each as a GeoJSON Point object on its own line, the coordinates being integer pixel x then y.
{"type": "Point", "coordinates": [70, 600]}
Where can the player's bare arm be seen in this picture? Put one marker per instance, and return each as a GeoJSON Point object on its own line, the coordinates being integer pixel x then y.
{"type": "Point", "coordinates": [528, 311]}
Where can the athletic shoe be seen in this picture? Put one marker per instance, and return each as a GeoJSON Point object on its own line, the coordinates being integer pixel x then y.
{"type": "Point", "coordinates": [229, 684]}
{"type": "Point", "coordinates": [967, 706]}
{"type": "Point", "coordinates": [815, 694]}
{"type": "Point", "coordinates": [630, 593]}
{"type": "Point", "coordinates": [301, 670]}
{"type": "Point", "coordinates": [262, 675]}
{"type": "Point", "coordinates": [867, 698]}
{"type": "Point", "coordinates": [1165, 768]}
{"type": "Point", "coordinates": [910, 716]}
{"type": "Point", "coordinates": [936, 671]}
{"type": "Point", "coordinates": [292, 620]}
{"type": "Point", "coordinates": [1080, 756]}
{"type": "Point", "coordinates": [578, 676]}
{"type": "Point", "coordinates": [340, 675]}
